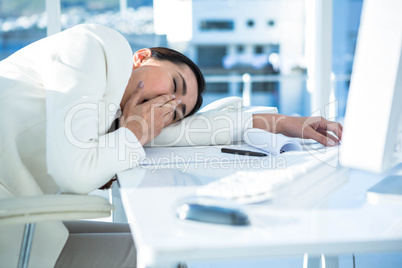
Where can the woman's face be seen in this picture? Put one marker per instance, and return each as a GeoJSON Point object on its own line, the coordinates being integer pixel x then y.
{"type": "Point", "coordinates": [160, 78]}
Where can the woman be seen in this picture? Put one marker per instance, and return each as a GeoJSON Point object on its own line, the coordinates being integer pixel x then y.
{"type": "Point", "coordinates": [58, 99]}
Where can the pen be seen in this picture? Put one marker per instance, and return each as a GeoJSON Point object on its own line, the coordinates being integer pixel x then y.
{"type": "Point", "coordinates": [242, 152]}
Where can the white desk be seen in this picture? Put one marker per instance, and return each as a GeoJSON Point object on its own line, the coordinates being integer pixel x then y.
{"type": "Point", "coordinates": [342, 222]}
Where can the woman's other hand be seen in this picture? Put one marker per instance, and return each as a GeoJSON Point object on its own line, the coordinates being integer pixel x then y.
{"type": "Point", "coordinates": [146, 120]}
{"type": "Point", "coordinates": [316, 128]}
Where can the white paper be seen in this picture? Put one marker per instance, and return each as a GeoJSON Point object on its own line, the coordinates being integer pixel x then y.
{"type": "Point", "coordinates": [269, 142]}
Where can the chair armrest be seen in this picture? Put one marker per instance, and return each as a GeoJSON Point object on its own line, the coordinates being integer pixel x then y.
{"type": "Point", "coordinates": [52, 208]}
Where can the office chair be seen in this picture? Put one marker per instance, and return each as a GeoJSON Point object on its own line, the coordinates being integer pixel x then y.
{"type": "Point", "coordinates": [32, 209]}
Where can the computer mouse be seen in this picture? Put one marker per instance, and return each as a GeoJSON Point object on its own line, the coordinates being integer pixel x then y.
{"type": "Point", "coordinates": [212, 210]}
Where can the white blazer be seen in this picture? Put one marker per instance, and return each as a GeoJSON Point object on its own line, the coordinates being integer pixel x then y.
{"type": "Point", "coordinates": [58, 98]}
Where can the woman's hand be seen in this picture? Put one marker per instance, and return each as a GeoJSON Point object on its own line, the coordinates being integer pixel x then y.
{"type": "Point", "coordinates": [147, 120]}
{"type": "Point", "coordinates": [316, 128]}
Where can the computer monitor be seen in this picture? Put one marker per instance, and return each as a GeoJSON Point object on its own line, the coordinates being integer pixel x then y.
{"type": "Point", "coordinates": [373, 118]}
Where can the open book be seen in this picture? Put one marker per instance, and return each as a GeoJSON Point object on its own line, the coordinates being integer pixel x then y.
{"type": "Point", "coordinates": [269, 142]}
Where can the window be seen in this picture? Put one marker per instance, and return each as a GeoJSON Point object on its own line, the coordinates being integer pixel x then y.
{"type": "Point", "coordinates": [21, 23]}
{"type": "Point", "coordinates": [222, 88]}
{"type": "Point", "coordinates": [259, 49]}
{"type": "Point", "coordinates": [240, 48]}
{"type": "Point", "coordinates": [219, 25]}
{"type": "Point", "coordinates": [211, 56]}
{"type": "Point", "coordinates": [250, 23]}
{"type": "Point", "coordinates": [271, 23]}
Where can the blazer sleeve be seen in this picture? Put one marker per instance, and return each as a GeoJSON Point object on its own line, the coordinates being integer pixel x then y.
{"type": "Point", "coordinates": [79, 157]}
{"type": "Point", "coordinates": [206, 128]}
{"type": "Point", "coordinates": [219, 123]}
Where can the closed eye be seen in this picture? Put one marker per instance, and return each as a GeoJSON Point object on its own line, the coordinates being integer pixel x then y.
{"type": "Point", "coordinates": [175, 86]}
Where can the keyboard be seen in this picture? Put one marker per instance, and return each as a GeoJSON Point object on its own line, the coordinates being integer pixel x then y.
{"type": "Point", "coordinates": [255, 186]}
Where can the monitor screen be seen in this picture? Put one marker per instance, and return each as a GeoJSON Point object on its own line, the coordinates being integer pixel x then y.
{"type": "Point", "coordinates": [372, 127]}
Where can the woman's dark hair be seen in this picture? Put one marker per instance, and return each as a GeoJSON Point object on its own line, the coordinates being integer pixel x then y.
{"type": "Point", "coordinates": [163, 53]}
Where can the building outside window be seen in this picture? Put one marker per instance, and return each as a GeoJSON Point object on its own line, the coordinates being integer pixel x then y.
{"type": "Point", "coordinates": [224, 40]}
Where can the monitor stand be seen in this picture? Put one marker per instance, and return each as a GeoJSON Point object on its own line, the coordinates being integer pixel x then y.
{"type": "Point", "coordinates": [389, 190]}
